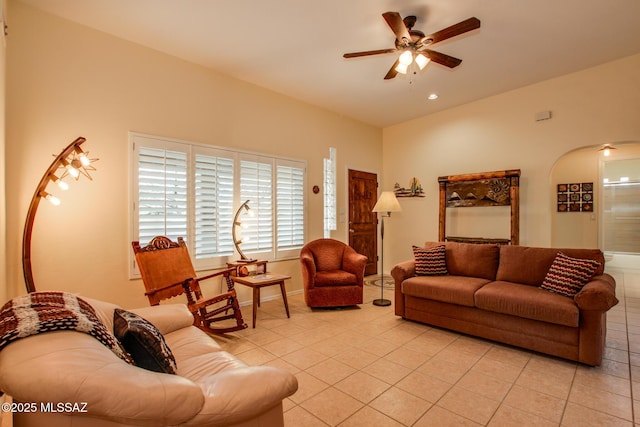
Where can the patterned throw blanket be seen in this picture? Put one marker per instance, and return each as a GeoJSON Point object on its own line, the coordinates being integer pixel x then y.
{"type": "Point", "coordinates": [40, 312]}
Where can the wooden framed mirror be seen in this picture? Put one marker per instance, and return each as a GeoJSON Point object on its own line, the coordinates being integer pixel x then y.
{"type": "Point", "coordinates": [498, 188]}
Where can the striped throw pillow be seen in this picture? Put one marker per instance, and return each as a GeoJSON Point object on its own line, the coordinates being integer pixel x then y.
{"type": "Point", "coordinates": [430, 261]}
{"type": "Point", "coordinates": [567, 275]}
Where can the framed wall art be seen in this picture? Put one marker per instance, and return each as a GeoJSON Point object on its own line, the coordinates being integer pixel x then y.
{"type": "Point", "coordinates": [498, 188]}
{"type": "Point", "coordinates": [576, 197]}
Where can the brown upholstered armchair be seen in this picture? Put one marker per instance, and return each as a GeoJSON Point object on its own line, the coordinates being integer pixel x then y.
{"type": "Point", "coordinates": [332, 273]}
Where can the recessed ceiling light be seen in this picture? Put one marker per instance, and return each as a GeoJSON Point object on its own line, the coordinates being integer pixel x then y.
{"type": "Point", "coordinates": [432, 96]}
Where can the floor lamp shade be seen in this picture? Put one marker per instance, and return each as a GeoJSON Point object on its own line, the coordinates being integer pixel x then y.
{"type": "Point", "coordinates": [388, 203]}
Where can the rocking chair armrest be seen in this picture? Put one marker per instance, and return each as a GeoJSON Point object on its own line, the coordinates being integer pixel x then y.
{"type": "Point", "coordinates": [204, 302]}
{"type": "Point", "coordinates": [224, 272]}
{"type": "Point", "coordinates": [183, 282]}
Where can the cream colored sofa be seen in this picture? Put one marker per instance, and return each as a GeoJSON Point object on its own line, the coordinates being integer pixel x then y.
{"type": "Point", "coordinates": [211, 388]}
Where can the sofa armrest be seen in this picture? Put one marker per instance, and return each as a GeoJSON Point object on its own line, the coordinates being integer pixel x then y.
{"type": "Point", "coordinates": [236, 395]}
{"type": "Point", "coordinates": [599, 294]}
{"type": "Point", "coordinates": [403, 271]}
{"type": "Point", "coordinates": [400, 272]}
{"type": "Point", "coordinates": [166, 317]}
{"type": "Point", "coordinates": [69, 366]}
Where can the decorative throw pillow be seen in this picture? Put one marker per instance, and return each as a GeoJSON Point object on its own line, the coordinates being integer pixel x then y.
{"type": "Point", "coordinates": [567, 275]}
{"type": "Point", "coordinates": [144, 342]}
{"type": "Point", "coordinates": [430, 261]}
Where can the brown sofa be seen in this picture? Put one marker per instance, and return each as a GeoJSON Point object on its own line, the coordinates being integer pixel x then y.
{"type": "Point", "coordinates": [494, 292]}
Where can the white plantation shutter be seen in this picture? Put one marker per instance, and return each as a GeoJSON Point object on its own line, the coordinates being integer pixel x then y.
{"type": "Point", "coordinates": [213, 188]}
{"type": "Point", "coordinates": [162, 193]}
{"type": "Point", "coordinates": [181, 189]}
{"type": "Point", "coordinates": [256, 186]}
{"type": "Point", "coordinates": [290, 206]}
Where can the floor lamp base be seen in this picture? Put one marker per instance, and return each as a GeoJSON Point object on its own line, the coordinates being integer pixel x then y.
{"type": "Point", "coordinates": [381, 302]}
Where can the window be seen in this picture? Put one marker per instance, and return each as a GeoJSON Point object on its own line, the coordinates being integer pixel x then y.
{"type": "Point", "coordinates": [330, 193]}
{"type": "Point", "coordinates": [290, 206]}
{"type": "Point", "coordinates": [257, 187]}
{"type": "Point", "coordinates": [193, 191]}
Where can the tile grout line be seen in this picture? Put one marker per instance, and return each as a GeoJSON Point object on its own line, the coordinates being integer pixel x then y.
{"type": "Point", "coordinates": [626, 323]}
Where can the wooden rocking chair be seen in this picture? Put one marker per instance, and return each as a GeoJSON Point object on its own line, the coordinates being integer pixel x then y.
{"type": "Point", "coordinates": [167, 272]}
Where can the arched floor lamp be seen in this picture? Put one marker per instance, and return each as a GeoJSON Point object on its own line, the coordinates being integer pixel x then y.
{"type": "Point", "coordinates": [72, 161]}
{"type": "Point", "coordinates": [388, 203]}
{"type": "Point", "coordinates": [237, 223]}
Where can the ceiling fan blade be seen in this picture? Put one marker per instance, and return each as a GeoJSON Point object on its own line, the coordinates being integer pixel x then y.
{"type": "Point", "coordinates": [392, 71]}
{"type": "Point", "coordinates": [441, 58]}
{"type": "Point", "coordinates": [368, 52]}
{"type": "Point", "coordinates": [452, 31]}
{"type": "Point", "coordinates": [396, 24]}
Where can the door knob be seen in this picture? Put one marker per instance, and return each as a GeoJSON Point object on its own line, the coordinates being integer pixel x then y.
{"type": "Point", "coordinates": [351, 230]}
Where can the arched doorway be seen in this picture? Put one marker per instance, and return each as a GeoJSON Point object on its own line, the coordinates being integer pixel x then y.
{"type": "Point", "coordinates": [615, 219]}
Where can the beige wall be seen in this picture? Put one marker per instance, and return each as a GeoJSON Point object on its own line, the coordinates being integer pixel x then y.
{"type": "Point", "coordinates": [65, 80]}
{"type": "Point", "coordinates": [3, 229]}
{"type": "Point", "coordinates": [590, 108]}
{"type": "Point", "coordinates": [575, 229]}
{"type": "Point", "coordinates": [584, 165]}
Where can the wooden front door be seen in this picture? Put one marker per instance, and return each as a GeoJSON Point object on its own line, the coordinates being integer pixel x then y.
{"type": "Point", "coordinates": [363, 224]}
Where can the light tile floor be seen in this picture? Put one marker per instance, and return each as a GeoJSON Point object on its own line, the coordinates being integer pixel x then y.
{"type": "Point", "coordinates": [366, 367]}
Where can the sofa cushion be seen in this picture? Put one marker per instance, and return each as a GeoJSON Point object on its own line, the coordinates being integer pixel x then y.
{"type": "Point", "coordinates": [568, 275]}
{"type": "Point", "coordinates": [430, 261]}
{"type": "Point", "coordinates": [470, 260]}
{"type": "Point", "coordinates": [452, 289]}
{"type": "Point", "coordinates": [529, 265]}
{"type": "Point", "coordinates": [144, 342]}
{"type": "Point", "coordinates": [527, 301]}
{"type": "Point", "coordinates": [189, 342]}
{"type": "Point", "coordinates": [335, 278]}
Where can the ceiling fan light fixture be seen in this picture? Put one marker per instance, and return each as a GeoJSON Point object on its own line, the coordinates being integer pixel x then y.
{"type": "Point", "coordinates": [406, 58]}
{"type": "Point", "coordinates": [422, 60]}
{"type": "Point", "coordinates": [402, 68]}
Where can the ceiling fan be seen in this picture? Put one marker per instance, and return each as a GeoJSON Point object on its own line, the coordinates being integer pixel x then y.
{"type": "Point", "coordinates": [413, 43]}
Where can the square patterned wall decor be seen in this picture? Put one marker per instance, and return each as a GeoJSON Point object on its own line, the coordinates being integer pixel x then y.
{"type": "Point", "coordinates": [575, 197]}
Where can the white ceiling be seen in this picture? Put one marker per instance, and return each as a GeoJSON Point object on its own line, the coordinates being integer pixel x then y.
{"type": "Point", "coordinates": [295, 47]}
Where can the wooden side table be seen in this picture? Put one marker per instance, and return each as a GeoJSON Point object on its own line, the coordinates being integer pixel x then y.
{"type": "Point", "coordinates": [258, 281]}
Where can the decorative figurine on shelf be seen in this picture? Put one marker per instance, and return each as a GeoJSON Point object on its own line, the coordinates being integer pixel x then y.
{"type": "Point", "coordinates": [415, 189]}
